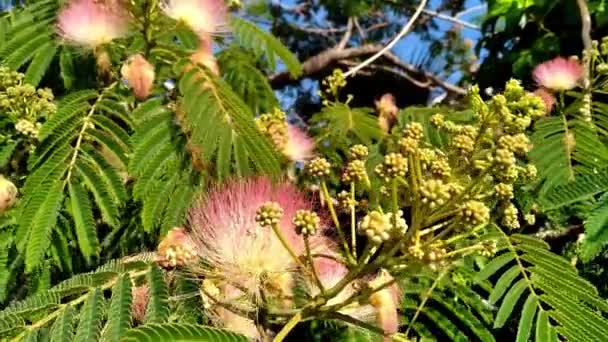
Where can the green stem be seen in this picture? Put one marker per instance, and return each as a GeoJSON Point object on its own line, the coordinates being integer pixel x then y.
{"type": "Point", "coordinates": [277, 232]}
{"type": "Point", "coordinates": [288, 327]}
{"type": "Point", "coordinates": [353, 228]}
{"type": "Point", "coordinates": [334, 217]}
{"type": "Point", "coordinates": [312, 265]}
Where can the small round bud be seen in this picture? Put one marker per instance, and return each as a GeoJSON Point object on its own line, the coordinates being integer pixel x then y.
{"type": "Point", "coordinates": [434, 193]}
{"type": "Point", "coordinates": [345, 201]}
{"type": "Point", "coordinates": [394, 165]}
{"type": "Point", "coordinates": [504, 157]}
{"type": "Point", "coordinates": [269, 214]}
{"type": "Point", "coordinates": [509, 218]}
{"type": "Point", "coordinates": [441, 168]}
{"type": "Point", "coordinates": [358, 152]}
{"type": "Point", "coordinates": [176, 249]}
{"type": "Point", "coordinates": [376, 226]}
{"type": "Point", "coordinates": [504, 191]}
{"type": "Point", "coordinates": [318, 167]}
{"type": "Point", "coordinates": [463, 143]}
{"type": "Point", "coordinates": [438, 120]}
{"type": "Point", "coordinates": [489, 248]}
{"type": "Point", "coordinates": [355, 172]}
{"type": "Point", "coordinates": [475, 213]}
{"type": "Point", "coordinates": [414, 130]}
{"type": "Point", "coordinates": [408, 145]}
{"type": "Point", "coordinates": [306, 222]}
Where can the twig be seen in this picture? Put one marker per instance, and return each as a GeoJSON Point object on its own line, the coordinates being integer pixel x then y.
{"type": "Point", "coordinates": [349, 31]}
{"type": "Point", "coordinates": [451, 19]}
{"type": "Point", "coordinates": [327, 58]}
{"type": "Point", "coordinates": [586, 36]}
{"type": "Point", "coordinates": [390, 45]}
{"type": "Point", "coordinates": [551, 234]}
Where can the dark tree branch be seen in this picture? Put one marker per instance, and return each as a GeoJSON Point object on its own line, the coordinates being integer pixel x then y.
{"type": "Point", "coordinates": [324, 60]}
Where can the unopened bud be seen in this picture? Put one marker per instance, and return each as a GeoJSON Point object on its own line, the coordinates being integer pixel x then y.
{"type": "Point", "coordinates": [139, 74]}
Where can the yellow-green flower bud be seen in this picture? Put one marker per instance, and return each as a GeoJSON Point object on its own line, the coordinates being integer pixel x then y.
{"type": "Point", "coordinates": [355, 172]}
{"type": "Point", "coordinates": [438, 120]}
{"type": "Point", "coordinates": [269, 214]}
{"type": "Point", "coordinates": [463, 143]}
{"type": "Point", "coordinates": [306, 222]}
{"type": "Point", "coordinates": [358, 152]}
{"type": "Point", "coordinates": [509, 218]}
{"type": "Point", "coordinates": [434, 193]}
{"type": "Point", "coordinates": [394, 165]}
{"type": "Point", "coordinates": [318, 168]}
{"type": "Point", "coordinates": [475, 213]}
{"type": "Point", "coordinates": [376, 226]}
{"type": "Point", "coordinates": [414, 130]}
{"type": "Point", "coordinates": [504, 191]}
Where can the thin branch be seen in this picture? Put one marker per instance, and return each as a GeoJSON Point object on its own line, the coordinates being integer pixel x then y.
{"type": "Point", "coordinates": [472, 9]}
{"type": "Point", "coordinates": [586, 36]}
{"type": "Point", "coordinates": [349, 31]}
{"type": "Point", "coordinates": [552, 234]}
{"type": "Point", "coordinates": [451, 19]}
{"type": "Point", "coordinates": [360, 30]}
{"type": "Point", "coordinates": [327, 58]}
{"type": "Point", "coordinates": [390, 45]}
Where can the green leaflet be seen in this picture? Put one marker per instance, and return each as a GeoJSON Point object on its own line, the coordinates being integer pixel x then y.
{"type": "Point", "coordinates": [252, 37]}
{"type": "Point", "coordinates": [184, 332]}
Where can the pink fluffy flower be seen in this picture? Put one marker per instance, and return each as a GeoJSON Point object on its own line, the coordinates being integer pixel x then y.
{"type": "Point", "coordinates": [227, 236]}
{"type": "Point", "coordinates": [90, 23]}
{"type": "Point", "coordinates": [558, 74]}
{"type": "Point", "coordinates": [205, 17]}
{"type": "Point", "coordinates": [299, 146]}
{"type": "Point", "coordinates": [139, 74]}
{"type": "Point", "coordinates": [547, 97]}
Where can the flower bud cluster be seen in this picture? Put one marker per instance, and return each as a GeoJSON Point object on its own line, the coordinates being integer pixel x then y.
{"type": "Point", "coordinates": [434, 193]}
{"type": "Point", "coordinates": [380, 227]}
{"type": "Point", "coordinates": [23, 101]}
{"type": "Point", "coordinates": [355, 172]}
{"type": "Point", "coordinates": [269, 214]}
{"type": "Point", "coordinates": [318, 168]}
{"type": "Point", "coordinates": [306, 222]}
{"type": "Point", "coordinates": [394, 165]}
{"type": "Point", "coordinates": [358, 152]}
{"type": "Point", "coordinates": [274, 126]}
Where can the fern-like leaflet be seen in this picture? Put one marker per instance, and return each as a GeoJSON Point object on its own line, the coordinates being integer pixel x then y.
{"type": "Point", "coordinates": [82, 149]}
{"type": "Point", "coordinates": [556, 300]}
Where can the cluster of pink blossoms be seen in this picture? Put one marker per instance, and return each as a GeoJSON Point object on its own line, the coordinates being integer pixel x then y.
{"type": "Point", "coordinates": [244, 262]}
{"type": "Point", "coordinates": [556, 75]}
{"type": "Point", "coordinates": [92, 23]}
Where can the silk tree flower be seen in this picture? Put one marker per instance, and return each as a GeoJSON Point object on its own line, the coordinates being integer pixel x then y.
{"type": "Point", "coordinates": [387, 112]}
{"type": "Point", "coordinates": [227, 236]}
{"type": "Point", "coordinates": [139, 74]}
{"type": "Point", "coordinates": [241, 259]}
{"type": "Point", "coordinates": [91, 23]}
{"type": "Point", "coordinates": [547, 97]}
{"type": "Point", "coordinates": [204, 17]}
{"type": "Point", "coordinates": [558, 74]}
{"type": "Point", "coordinates": [299, 146]}
{"type": "Point", "coordinates": [386, 302]}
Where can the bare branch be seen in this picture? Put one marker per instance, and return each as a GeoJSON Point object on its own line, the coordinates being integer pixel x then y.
{"type": "Point", "coordinates": [451, 19]}
{"type": "Point", "coordinates": [390, 45]}
{"type": "Point", "coordinates": [349, 31]}
{"type": "Point", "coordinates": [586, 36]}
{"type": "Point", "coordinates": [327, 58]}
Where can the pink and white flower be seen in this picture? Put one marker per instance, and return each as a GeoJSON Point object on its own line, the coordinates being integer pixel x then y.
{"type": "Point", "coordinates": [90, 23]}
{"type": "Point", "coordinates": [547, 97]}
{"type": "Point", "coordinates": [227, 236]}
{"type": "Point", "coordinates": [558, 74]}
{"type": "Point", "coordinates": [139, 74]}
{"type": "Point", "coordinates": [205, 17]}
{"type": "Point", "coordinates": [299, 146]}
